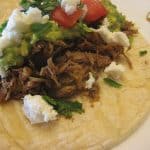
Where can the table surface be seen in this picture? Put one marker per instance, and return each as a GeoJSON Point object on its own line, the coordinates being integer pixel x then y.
{"type": "Point", "coordinates": [136, 10]}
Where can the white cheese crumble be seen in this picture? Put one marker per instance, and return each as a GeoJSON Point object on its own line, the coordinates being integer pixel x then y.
{"type": "Point", "coordinates": [115, 71]}
{"type": "Point", "coordinates": [112, 37]}
{"type": "Point", "coordinates": [70, 6]}
{"type": "Point", "coordinates": [2, 73]}
{"type": "Point", "coordinates": [90, 81]}
{"type": "Point", "coordinates": [37, 110]}
{"type": "Point", "coordinates": [105, 22]}
{"type": "Point", "coordinates": [19, 23]}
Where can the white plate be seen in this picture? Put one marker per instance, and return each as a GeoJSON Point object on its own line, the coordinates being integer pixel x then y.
{"type": "Point", "coordinates": [136, 10]}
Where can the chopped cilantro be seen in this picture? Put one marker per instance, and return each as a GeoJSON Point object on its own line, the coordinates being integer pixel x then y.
{"type": "Point", "coordinates": [25, 4]}
{"type": "Point", "coordinates": [2, 27]}
{"type": "Point", "coordinates": [65, 108]}
{"type": "Point", "coordinates": [40, 29]}
{"type": "Point", "coordinates": [112, 83]}
{"type": "Point", "coordinates": [142, 53]}
{"type": "Point", "coordinates": [82, 28]}
{"type": "Point", "coordinates": [46, 6]}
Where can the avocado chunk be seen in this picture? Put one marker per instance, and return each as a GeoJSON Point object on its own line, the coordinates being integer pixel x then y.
{"type": "Point", "coordinates": [14, 56]}
{"type": "Point", "coordinates": [115, 18]}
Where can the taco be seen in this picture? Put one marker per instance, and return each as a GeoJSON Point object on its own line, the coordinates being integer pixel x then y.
{"type": "Point", "coordinates": [81, 69]}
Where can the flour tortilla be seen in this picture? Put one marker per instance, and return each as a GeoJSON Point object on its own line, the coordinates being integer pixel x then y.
{"type": "Point", "coordinates": [112, 119]}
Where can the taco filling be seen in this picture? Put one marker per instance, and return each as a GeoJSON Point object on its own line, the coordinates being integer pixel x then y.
{"type": "Point", "coordinates": [52, 51]}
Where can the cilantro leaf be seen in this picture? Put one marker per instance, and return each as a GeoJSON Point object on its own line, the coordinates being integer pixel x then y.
{"type": "Point", "coordinates": [65, 108]}
{"type": "Point", "coordinates": [142, 53]}
{"type": "Point", "coordinates": [40, 29]}
{"type": "Point", "coordinates": [46, 6]}
{"type": "Point", "coordinates": [83, 28]}
{"type": "Point", "coordinates": [25, 4]}
{"type": "Point", "coordinates": [2, 27]}
{"type": "Point", "coordinates": [112, 83]}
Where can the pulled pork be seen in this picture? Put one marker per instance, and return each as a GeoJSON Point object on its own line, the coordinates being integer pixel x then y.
{"type": "Point", "coordinates": [60, 69]}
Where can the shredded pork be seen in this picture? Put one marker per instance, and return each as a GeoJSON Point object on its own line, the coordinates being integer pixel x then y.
{"type": "Point", "coordinates": [60, 69]}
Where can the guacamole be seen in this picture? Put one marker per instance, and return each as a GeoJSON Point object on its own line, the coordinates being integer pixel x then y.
{"type": "Point", "coordinates": [115, 18]}
{"type": "Point", "coordinates": [50, 31]}
{"type": "Point", "coordinates": [14, 55]}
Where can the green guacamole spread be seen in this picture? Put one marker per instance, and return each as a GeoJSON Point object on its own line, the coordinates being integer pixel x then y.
{"type": "Point", "coordinates": [14, 55]}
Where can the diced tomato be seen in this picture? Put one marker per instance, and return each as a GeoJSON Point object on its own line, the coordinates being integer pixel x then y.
{"type": "Point", "coordinates": [65, 20]}
{"type": "Point", "coordinates": [95, 10]}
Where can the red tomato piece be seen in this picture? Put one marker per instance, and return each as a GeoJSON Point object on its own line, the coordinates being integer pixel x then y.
{"type": "Point", "coordinates": [95, 10]}
{"type": "Point", "coordinates": [65, 20]}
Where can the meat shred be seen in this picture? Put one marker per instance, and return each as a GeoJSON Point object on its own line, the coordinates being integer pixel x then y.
{"type": "Point", "coordinates": [60, 69]}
